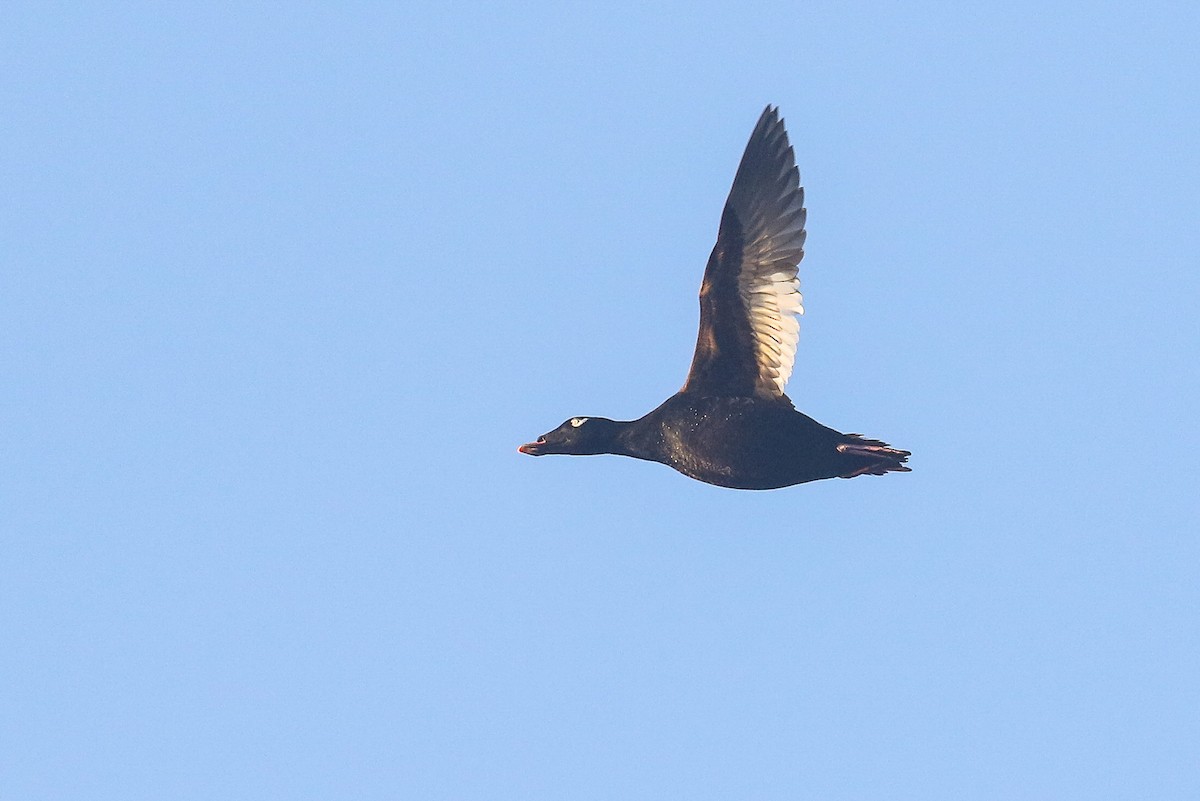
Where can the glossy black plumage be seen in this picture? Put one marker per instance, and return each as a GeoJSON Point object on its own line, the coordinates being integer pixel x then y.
{"type": "Point", "coordinates": [731, 424]}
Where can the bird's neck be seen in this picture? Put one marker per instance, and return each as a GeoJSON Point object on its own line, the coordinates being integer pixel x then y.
{"type": "Point", "coordinates": [637, 441]}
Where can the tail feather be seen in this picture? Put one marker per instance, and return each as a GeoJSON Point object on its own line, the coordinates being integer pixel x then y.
{"type": "Point", "coordinates": [883, 458]}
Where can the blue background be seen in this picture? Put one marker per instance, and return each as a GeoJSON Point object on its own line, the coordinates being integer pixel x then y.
{"type": "Point", "coordinates": [283, 287]}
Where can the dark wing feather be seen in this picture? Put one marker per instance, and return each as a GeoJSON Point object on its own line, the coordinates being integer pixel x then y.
{"type": "Point", "coordinates": [751, 291]}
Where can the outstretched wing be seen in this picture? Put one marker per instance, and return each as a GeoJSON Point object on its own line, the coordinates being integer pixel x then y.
{"type": "Point", "coordinates": [751, 293]}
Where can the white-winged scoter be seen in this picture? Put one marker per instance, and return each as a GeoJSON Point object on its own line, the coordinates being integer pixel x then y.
{"type": "Point", "coordinates": [731, 424]}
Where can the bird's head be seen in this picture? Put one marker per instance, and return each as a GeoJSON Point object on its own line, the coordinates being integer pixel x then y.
{"type": "Point", "coordinates": [579, 436]}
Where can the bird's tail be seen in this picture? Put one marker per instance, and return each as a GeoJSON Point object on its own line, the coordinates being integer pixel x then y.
{"type": "Point", "coordinates": [875, 457]}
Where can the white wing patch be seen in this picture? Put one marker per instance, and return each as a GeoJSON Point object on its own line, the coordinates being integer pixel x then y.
{"type": "Point", "coordinates": [576, 422]}
{"type": "Point", "coordinates": [772, 302]}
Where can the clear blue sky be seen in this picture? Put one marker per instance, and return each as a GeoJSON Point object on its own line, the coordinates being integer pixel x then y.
{"type": "Point", "coordinates": [284, 286]}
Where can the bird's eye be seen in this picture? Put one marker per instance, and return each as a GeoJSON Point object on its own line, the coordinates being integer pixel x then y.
{"type": "Point", "coordinates": [576, 422]}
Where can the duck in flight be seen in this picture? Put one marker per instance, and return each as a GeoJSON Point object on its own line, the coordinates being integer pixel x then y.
{"type": "Point", "coordinates": [731, 424]}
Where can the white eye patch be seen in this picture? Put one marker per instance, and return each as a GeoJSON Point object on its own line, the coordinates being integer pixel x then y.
{"type": "Point", "coordinates": [576, 422]}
